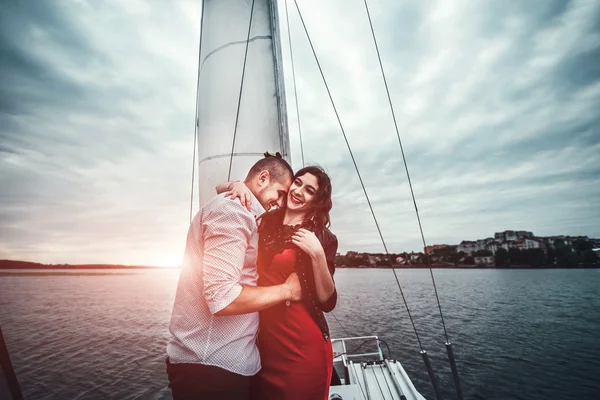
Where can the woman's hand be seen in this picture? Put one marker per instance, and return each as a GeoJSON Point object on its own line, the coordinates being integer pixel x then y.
{"type": "Point", "coordinates": [308, 242]}
{"type": "Point", "coordinates": [241, 191]}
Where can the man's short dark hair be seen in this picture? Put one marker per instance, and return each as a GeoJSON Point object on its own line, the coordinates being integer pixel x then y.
{"type": "Point", "coordinates": [279, 169]}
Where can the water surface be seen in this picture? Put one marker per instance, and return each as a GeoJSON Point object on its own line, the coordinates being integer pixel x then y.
{"type": "Point", "coordinates": [517, 334]}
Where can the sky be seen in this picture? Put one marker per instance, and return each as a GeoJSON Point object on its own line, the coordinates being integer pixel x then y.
{"type": "Point", "coordinates": [498, 109]}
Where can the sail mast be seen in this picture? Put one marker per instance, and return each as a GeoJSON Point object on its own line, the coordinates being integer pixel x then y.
{"type": "Point", "coordinates": [241, 95]}
{"type": "Point", "coordinates": [280, 82]}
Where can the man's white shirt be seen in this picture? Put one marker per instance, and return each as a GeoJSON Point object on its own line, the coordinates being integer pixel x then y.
{"type": "Point", "coordinates": [220, 256]}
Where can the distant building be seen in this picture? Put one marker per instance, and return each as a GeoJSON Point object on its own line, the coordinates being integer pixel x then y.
{"type": "Point", "coordinates": [493, 246]}
{"type": "Point", "coordinates": [512, 235]}
{"type": "Point", "coordinates": [524, 244]}
{"type": "Point", "coordinates": [416, 258]}
{"type": "Point", "coordinates": [430, 249]}
{"type": "Point", "coordinates": [410, 258]}
{"type": "Point", "coordinates": [550, 241]}
{"type": "Point", "coordinates": [524, 234]}
{"type": "Point", "coordinates": [373, 260]}
{"type": "Point", "coordinates": [465, 246]}
{"type": "Point", "coordinates": [487, 260]}
{"type": "Point", "coordinates": [531, 243]}
{"type": "Point", "coordinates": [469, 246]}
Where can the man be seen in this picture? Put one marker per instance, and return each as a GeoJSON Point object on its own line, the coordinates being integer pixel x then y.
{"type": "Point", "coordinates": [213, 353]}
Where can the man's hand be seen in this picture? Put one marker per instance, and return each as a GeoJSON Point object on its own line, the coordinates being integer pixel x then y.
{"type": "Point", "coordinates": [293, 283]}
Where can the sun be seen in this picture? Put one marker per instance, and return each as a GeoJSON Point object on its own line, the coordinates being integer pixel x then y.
{"type": "Point", "coordinates": [168, 261]}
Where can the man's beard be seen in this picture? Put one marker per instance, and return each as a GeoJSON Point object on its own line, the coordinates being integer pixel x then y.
{"type": "Point", "coordinates": [260, 196]}
{"type": "Point", "coordinates": [268, 207]}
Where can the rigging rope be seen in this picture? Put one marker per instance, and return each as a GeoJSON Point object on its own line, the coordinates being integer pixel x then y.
{"type": "Point", "coordinates": [196, 117]}
{"type": "Point", "coordinates": [193, 175]}
{"type": "Point", "coordinates": [406, 168]}
{"type": "Point", "coordinates": [237, 115]}
{"type": "Point", "coordinates": [449, 350]}
{"type": "Point", "coordinates": [357, 171]}
{"type": "Point", "coordinates": [338, 321]}
{"type": "Point", "coordinates": [294, 80]}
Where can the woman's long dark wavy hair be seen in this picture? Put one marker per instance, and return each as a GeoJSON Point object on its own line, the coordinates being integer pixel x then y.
{"type": "Point", "coordinates": [322, 202]}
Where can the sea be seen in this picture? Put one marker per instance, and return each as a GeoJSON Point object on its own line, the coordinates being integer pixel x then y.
{"type": "Point", "coordinates": [517, 334]}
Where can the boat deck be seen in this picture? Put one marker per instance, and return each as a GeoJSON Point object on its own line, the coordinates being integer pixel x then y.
{"type": "Point", "coordinates": [372, 378]}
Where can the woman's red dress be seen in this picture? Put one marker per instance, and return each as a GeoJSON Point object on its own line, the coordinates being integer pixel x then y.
{"type": "Point", "coordinates": [296, 359]}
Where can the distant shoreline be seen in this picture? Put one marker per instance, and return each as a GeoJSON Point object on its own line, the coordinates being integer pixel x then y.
{"type": "Point", "coordinates": [21, 265]}
{"type": "Point", "coordinates": [13, 265]}
{"type": "Point", "coordinates": [442, 266]}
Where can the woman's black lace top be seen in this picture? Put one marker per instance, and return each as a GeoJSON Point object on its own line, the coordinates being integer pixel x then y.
{"type": "Point", "coordinates": [274, 237]}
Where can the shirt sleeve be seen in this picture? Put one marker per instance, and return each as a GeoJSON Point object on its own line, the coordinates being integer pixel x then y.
{"type": "Point", "coordinates": [330, 252]}
{"type": "Point", "coordinates": [227, 231]}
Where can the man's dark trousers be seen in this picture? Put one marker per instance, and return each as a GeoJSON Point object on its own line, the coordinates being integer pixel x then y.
{"type": "Point", "coordinates": [206, 382]}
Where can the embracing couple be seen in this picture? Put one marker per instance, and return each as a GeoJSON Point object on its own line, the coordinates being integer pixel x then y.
{"type": "Point", "coordinates": [248, 319]}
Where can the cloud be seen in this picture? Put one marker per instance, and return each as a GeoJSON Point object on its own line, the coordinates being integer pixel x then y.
{"type": "Point", "coordinates": [497, 108]}
{"type": "Point", "coordinates": [97, 108]}
{"type": "Point", "coordinates": [497, 111]}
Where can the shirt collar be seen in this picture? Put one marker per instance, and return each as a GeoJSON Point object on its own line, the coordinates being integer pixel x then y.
{"type": "Point", "coordinates": [256, 208]}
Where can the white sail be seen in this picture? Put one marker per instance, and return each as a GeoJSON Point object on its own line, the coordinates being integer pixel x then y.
{"type": "Point", "coordinates": [261, 123]}
{"type": "Point", "coordinates": [261, 126]}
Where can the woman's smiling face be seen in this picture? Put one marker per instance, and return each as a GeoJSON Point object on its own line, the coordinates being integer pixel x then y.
{"type": "Point", "coordinates": [302, 193]}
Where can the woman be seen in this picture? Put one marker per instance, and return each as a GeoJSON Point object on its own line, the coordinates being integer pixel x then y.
{"type": "Point", "coordinates": [295, 348]}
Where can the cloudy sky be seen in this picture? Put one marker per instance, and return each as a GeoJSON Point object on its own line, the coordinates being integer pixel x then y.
{"type": "Point", "coordinates": [498, 106]}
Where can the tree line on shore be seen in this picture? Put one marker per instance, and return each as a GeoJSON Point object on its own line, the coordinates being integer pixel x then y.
{"type": "Point", "coordinates": [579, 253]}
